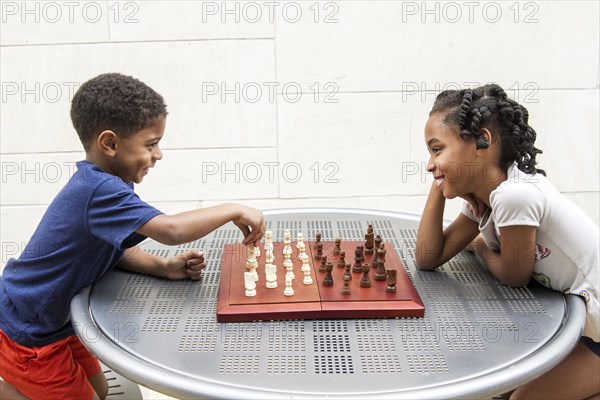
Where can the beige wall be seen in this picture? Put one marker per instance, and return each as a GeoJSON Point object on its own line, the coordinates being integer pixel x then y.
{"type": "Point", "coordinates": [289, 104]}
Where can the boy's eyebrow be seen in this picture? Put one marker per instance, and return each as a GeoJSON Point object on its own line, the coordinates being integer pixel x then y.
{"type": "Point", "coordinates": [153, 138]}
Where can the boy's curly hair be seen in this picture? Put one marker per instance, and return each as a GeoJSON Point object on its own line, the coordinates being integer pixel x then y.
{"type": "Point", "coordinates": [489, 107]}
{"type": "Point", "coordinates": [114, 102]}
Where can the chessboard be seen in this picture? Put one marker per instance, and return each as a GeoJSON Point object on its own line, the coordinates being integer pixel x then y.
{"type": "Point", "coordinates": [368, 293]}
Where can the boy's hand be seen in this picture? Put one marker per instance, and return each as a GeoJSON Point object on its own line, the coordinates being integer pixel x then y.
{"type": "Point", "coordinates": [186, 265]}
{"type": "Point", "coordinates": [252, 224]}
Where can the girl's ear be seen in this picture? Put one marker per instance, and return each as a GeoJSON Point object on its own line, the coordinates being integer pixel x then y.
{"type": "Point", "coordinates": [107, 142]}
{"type": "Point", "coordinates": [483, 142]}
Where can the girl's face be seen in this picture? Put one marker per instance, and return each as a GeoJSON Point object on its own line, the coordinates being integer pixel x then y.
{"type": "Point", "coordinates": [453, 161]}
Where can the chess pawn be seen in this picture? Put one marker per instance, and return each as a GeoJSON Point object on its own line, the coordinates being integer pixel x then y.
{"type": "Point", "coordinates": [337, 248]}
{"type": "Point", "coordinates": [378, 241]}
{"type": "Point", "coordinates": [342, 260]}
{"type": "Point", "coordinates": [380, 274]}
{"type": "Point", "coordinates": [319, 250]}
{"type": "Point", "coordinates": [317, 240]}
{"type": "Point", "coordinates": [306, 270]}
{"type": "Point", "coordinates": [288, 291]}
{"type": "Point", "coordinates": [357, 261]}
{"type": "Point", "coordinates": [287, 237]}
{"type": "Point", "coordinates": [271, 273]}
{"type": "Point", "coordinates": [391, 280]}
{"type": "Point", "coordinates": [347, 273]}
{"type": "Point", "coordinates": [365, 281]}
{"type": "Point", "coordinates": [369, 240]}
{"type": "Point", "coordinates": [289, 267]}
{"type": "Point", "coordinates": [323, 266]}
{"type": "Point", "coordinates": [301, 249]}
{"type": "Point", "coordinates": [328, 279]}
{"type": "Point", "coordinates": [299, 240]}
{"type": "Point", "coordinates": [346, 287]}
{"type": "Point", "coordinates": [249, 284]}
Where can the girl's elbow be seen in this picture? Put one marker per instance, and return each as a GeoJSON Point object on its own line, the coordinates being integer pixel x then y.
{"type": "Point", "coordinates": [515, 282]}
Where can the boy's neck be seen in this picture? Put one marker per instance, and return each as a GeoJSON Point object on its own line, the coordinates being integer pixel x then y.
{"type": "Point", "coordinates": [99, 160]}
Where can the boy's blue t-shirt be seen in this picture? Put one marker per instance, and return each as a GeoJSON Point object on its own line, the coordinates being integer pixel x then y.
{"type": "Point", "coordinates": [83, 234]}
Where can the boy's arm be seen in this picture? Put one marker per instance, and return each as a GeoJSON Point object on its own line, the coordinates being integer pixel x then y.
{"type": "Point", "coordinates": [436, 245]}
{"type": "Point", "coordinates": [183, 266]}
{"type": "Point", "coordinates": [514, 263]}
{"type": "Point", "coordinates": [191, 225]}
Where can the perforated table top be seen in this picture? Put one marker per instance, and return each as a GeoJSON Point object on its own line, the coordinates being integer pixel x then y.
{"type": "Point", "coordinates": [477, 338]}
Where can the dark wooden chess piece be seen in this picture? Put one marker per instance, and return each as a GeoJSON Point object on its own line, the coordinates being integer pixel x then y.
{"type": "Point", "coordinates": [392, 277]}
{"type": "Point", "coordinates": [347, 271]}
{"type": "Point", "coordinates": [365, 281]}
{"type": "Point", "coordinates": [317, 240]}
{"type": "Point", "coordinates": [380, 271]}
{"type": "Point", "coordinates": [378, 241]}
{"type": "Point", "coordinates": [319, 250]}
{"type": "Point", "coordinates": [328, 279]}
{"type": "Point", "coordinates": [357, 261]}
{"type": "Point", "coordinates": [362, 253]}
{"type": "Point", "coordinates": [323, 266]}
{"type": "Point", "coordinates": [346, 287]}
{"type": "Point", "coordinates": [342, 260]}
{"type": "Point", "coordinates": [369, 240]}
{"type": "Point", "coordinates": [338, 246]}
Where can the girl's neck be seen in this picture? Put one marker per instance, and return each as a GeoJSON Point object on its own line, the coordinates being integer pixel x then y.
{"type": "Point", "coordinates": [492, 176]}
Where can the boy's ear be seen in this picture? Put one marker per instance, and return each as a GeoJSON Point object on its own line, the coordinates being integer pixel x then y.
{"type": "Point", "coordinates": [107, 142]}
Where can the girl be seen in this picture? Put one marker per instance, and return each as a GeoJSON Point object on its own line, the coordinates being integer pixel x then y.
{"type": "Point", "coordinates": [482, 150]}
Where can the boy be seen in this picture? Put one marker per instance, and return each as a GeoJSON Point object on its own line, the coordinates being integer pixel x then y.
{"type": "Point", "coordinates": [92, 225]}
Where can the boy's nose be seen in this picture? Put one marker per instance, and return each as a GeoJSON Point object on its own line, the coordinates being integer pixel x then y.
{"type": "Point", "coordinates": [158, 154]}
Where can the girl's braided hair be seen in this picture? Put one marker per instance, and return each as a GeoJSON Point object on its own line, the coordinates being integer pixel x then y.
{"type": "Point", "coordinates": [489, 107]}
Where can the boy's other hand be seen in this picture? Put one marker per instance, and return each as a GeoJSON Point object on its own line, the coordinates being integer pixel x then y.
{"type": "Point", "coordinates": [252, 224]}
{"type": "Point", "coordinates": [186, 265]}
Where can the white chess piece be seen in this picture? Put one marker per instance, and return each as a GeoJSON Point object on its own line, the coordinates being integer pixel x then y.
{"type": "Point", "coordinates": [269, 256]}
{"type": "Point", "coordinates": [287, 240]}
{"type": "Point", "coordinates": [251, 262]}
{"type": "Point", "coordinates": [306, 270]}
{"type": "Point", "coordinates": [271, 273]}
{"type": "Point", "coordinates": [301, 249]}
{"type": "Point", "coordinates": [289, 291]}
{"type": "Point", "coordinates": [299, 240]}
{"type": "Point", "coordinates": [249, 284]}
{"type": "Point", "coordinates": [289, 267]}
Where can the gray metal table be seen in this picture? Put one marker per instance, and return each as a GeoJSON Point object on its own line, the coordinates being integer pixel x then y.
{"type": "Point", "coordinates": [478, 338]}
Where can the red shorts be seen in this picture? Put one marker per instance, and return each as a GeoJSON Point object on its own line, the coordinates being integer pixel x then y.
{"type": "Point", "coordinates": [58, 370]}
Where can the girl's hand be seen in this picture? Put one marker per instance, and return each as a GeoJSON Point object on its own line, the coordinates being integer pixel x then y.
{"type": "Point", "coordinates": [478, 206]}
{"type": "Point", "coordinates": [188, 265]}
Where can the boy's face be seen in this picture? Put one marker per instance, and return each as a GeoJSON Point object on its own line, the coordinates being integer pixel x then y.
{"type": "Point", "coordinates": [139, 152]}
